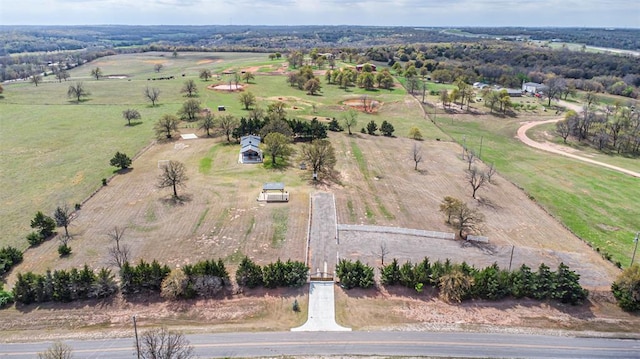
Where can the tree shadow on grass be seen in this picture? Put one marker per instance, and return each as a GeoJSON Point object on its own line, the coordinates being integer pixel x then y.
{"type": "Point", "coordinates": [134, 124]}
{"type": "Point", "coordinates": [123, 171]}
{"type": "Point", "coordinates": [177, 201]}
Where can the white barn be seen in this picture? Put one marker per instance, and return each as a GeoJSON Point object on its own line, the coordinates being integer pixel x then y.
{"type": "Point", "coordinates": [250, 151]}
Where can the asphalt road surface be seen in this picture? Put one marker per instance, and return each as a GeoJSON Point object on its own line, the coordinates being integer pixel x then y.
{"type": "Point", "coordinates": [358, 343]}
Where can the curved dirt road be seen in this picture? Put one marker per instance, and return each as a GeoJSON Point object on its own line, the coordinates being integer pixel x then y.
{"type": "Point", "coordinates": [522, 136]}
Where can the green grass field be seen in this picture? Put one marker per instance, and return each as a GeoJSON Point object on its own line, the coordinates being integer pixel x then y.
{"type": "Point", "coordinates": [596, 204]}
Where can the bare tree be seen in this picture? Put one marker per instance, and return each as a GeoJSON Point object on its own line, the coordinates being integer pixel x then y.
{"type": "Point", "coordinates": [226, 124]}
{"type": "Point", "coordinates": [320, 155]}
{"type": "Point", "coordinates": [36, 79]}
{"type": "Point", "coordinates": [97, 73]}
{"type": "Point", "coordinates": [190, 110]}
{"type": "Point", "coordinates": [158, 67]}
{"type": "Point", "coordinates": [491, 171]}
{"type": "Point", "coordinates": [63, 217]}
{"type": "Point", "coordinates": [58, 350]}
{"type": "Point", "coordinates": [173, 175]}
{"type": "Point", "coordinates": [350, 119]}
{"type": "Point", "coordinates": [471, 157]}
{"type": "Point", "coordinates": [205, 74]}
{"type": "Point", "coordinates": [189, 88]}
{"type": "Point", "coordinates": [476, 179]}
{"type": "Point", "coordinates": [130, 114]}
{"type": "Point", "coordinates": [77, 91]}
{"type": "Point", "coordinates": [162, 343]}
{"type": "Point", "coordinates": [119, 252]}
{"type": "Point", "coordinates": [383, 252]}
{"type": "Point", "coordinates": [416, 155]}
{"type": "Point", "coordinates": [467, 219]}
{"type": "Point", "coordinates": [207, 122]}
{"type": "Point", "coordinates": [166, 126]}
{"type": "Point", "coordinates": [563, 129]}
{"type": "Point", "coordinates": [152, 94]}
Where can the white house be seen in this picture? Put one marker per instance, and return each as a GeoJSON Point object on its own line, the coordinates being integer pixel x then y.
{"type": "Point", "coordinates": [533, 87]}
{"type": "Point", "coordinates": [249, 149]}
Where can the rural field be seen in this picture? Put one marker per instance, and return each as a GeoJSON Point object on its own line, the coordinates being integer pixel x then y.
{"type": "Point", "coordinates": [57, 151]}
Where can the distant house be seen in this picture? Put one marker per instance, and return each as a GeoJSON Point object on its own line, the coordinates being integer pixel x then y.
{"type": "Point", "coordinates": [533, 87]}
{"type": "Point", "coordinates": [512, 92]}
{"type": "Point", "coordinates": [327, 55]}
{"type": "Point", "coordinates": [361, 66]}
{"type": "Point", "coordinates": [479, 85]}
{"type": "Point", "coordinates": [249, 150]}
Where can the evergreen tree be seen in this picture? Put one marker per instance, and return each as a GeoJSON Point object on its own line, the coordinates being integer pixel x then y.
{"type": "Point", "coordinates": [567, 287]}
{"type": "Point", "coordinates": [249, 274]}
{"type": "Point", "coordinates": [390, 274]}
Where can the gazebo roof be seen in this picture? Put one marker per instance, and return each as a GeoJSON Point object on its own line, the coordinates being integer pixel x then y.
{"type": "Point", "coordinates": [273, 186]}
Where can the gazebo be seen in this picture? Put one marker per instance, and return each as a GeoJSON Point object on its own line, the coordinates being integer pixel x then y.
{"type": "Point", "coordinates": [273, 192]}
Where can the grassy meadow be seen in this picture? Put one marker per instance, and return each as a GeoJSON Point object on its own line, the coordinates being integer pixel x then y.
{"type": "Point", "coordinates": [57, 151]}
{"type": "Point", "coordinates": [593, 202]}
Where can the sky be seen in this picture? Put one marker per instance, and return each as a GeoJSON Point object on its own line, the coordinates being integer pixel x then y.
{"type": "Point", "coordinates": [446, 13]}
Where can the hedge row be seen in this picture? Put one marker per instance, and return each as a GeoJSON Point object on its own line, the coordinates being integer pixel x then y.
{"type": "Point", "coordinates": [64, 286]}
{"type": "Point", "coordinates": [490, 283]}
{"type": "Point", "coordinates": [278, 274]}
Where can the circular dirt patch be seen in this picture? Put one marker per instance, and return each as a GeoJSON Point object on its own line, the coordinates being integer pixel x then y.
{"type": "Point", "coordinates": [226, 87]}
{"type": "Point", "coordinates": [360, 105]}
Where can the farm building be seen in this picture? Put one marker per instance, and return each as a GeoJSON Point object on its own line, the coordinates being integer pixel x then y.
{"type": "Point", "coordinates": [533, 87]}
{"type": "Point", "coordinates": [249, 149]}
{"type": "Point", "coordinates": [511, 92]}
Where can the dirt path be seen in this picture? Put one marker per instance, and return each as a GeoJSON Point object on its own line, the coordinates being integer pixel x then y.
{"type": "Point", "coordinates": [522, 136]}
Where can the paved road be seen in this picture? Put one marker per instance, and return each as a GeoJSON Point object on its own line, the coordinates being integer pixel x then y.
{"type": "Point", "coordinates": [323, 248]}
{"type": "Point", "coordinates": [359, 343]}
{"type": "Point", "coordinates": [322, 313]}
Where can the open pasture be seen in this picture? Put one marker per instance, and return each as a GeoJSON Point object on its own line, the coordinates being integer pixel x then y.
{"type": "Point", "coordinates": [377, 184]}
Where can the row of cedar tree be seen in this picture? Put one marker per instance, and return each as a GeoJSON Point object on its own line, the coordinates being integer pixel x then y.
{"type": "Point", "coordinates": [455, 282]}
{"type": "Point", "coordinates": [203, 279]}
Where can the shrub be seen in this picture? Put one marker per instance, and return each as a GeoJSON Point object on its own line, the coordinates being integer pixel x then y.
{"type": "Point", "coordinates": [626, 289]}
{"type": "Point", "coordinates": [6, 298]}
{"type": "Point", "coordinates": [64, 250]}
{"type": "Point", "coordinates": [354, 274]}
{"type": "Point", "coordinates": [44, 224]}
{"type": "Point", "coordinates": [387, 129]}
{"type": "Point", "coordinates": [249, 274]}
{"type": "Point", "coordinates": [9, 257]}
{"type": "Point", "coordinates": [372, 128]}
{"type": "Point", "coordinates": [34, 238]}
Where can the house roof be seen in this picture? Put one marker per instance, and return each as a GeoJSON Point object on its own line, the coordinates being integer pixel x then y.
{"type": "Point", "coordinates": [250, 148]}
{"type": "Point", "coordinates": [273, 186]}
{"type": "Point", "coordinates": [534, 84]}
{"type": "Point", "coordinates": [250, 140]}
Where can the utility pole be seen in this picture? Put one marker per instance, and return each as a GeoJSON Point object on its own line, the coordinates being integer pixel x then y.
{"type": "Point", "coordinates": [633, 257]}
{"type": "Point", "coordinates": [135, 329]}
